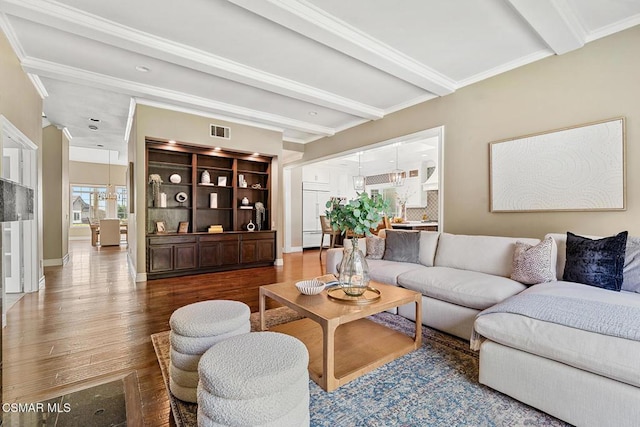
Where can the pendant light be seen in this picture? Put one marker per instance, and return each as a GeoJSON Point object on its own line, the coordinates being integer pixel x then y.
{"type": "Point", "coordinates": [359, 180]}
{"type": "Point", "coordinates": [108, 195]}
{"type": "Point", "coordinates": [396, 176]}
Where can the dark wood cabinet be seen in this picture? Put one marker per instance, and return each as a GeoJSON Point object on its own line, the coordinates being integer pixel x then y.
{"type": "Point", "coordinates": [205, 187]}
{"type": "Point", "coordinates": [177, 255]}
{"type": "Point", "coordinates": [258, 247]}
{"type": "Point", "coordinates": [219, 250]}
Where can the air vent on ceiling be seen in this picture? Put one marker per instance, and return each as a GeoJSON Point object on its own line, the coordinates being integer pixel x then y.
{"type": "Point", "coordinates": [220, 132]}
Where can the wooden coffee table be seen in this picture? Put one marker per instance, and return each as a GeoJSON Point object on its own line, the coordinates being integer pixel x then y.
{"type": "Point", "coordinates": [342, 344]}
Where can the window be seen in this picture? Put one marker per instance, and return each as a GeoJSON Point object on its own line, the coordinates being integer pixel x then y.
{"type": "Point", "coordinates": [87, 205]}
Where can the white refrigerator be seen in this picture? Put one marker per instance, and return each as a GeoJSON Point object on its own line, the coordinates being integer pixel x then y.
{"type": "Point", "coordinates": [313, 205]}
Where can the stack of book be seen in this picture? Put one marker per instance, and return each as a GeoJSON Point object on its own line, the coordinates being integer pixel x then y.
{"type": "Point", "coordinates": [215, 229]}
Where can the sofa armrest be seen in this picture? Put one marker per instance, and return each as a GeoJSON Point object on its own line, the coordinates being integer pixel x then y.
{"type": "Point", "coordinates": [334, 258]}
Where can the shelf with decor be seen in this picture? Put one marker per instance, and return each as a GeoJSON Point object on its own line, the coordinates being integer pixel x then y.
{"type": "Point", "coordinates": [209, 230]}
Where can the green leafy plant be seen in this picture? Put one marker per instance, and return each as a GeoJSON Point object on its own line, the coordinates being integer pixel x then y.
{"type": "Point", "coordinates": [358, 215]}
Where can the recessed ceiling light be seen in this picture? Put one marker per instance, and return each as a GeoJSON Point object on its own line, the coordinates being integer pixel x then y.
{"type": "Point", "coordinates": [93, 127]}
{"type": "Point", "coordinates": [142, 69]}
{"type": "Point", "coordinates": [313, 113]}
{"type": "Point", "coordinates": [172, 141]}
{"type": "Point", "coordinates": [95, 120]}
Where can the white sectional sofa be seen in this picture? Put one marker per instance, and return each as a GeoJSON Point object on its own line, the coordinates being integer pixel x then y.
{"type": "Point", "coordinates": [458, 276]}
{"type": "Point", "coordinates": [582, 377]}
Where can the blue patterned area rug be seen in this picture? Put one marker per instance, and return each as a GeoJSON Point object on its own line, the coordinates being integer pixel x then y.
{"type": "Point", "coordinates": [436, 385]}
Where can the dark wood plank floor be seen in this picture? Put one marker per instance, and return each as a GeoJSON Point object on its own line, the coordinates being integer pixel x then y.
{"type": "Point", "coordinates": [92, 322]}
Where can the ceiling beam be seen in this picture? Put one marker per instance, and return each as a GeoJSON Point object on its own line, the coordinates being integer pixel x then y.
{"type": "Point", "coordinates": [554, 21]}
{"type": "Point", "coordinates": [79, 76]}
{"type": "Point", "coordinates": [75, 21]}
{"type": "Point", "coordinates": [314, 23]}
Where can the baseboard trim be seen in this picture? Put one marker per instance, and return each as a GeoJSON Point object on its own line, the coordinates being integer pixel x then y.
{"type": "Point", "coordinates": [65, 259]}
{"type": "Point", "coordinates": [42, 282]}
{"type": "Point", "coordinates": [279, 262]}
{"type": "Point", "coordinates": [292, 249]}
{"type": "Point", "coordinates": [137, 277]}
{"type": "Point", "coordinates": [86, 238]}
{"type": "Point", "coordinates": [141, 277]}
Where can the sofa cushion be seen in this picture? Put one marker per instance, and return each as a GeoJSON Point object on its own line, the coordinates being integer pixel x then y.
{"type": "Point", "coordinates": [631, 272]}
{"type": "Point", "coordinates": [534, 264]}
{"type": "Point", "coordinates": [596, 262]}
{"type": "Point", "coordinates": [463, 287]}
{"type": "Point", "coordinates": [387, 272]}
{"type": "Point", "coordinates": [608, 356]}
{"type": "Point", "coordinates": [428, 247]}
{"type": "Point", "coordinates": [375, 247]}
{"type": "Point", "coordinates": [402, 246]}
{"type": "Point", "coordinates": [485, 254]}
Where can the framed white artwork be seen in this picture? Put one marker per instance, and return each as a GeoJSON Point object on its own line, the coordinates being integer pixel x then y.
{"type": "Point", "coordinates": [572, 169]}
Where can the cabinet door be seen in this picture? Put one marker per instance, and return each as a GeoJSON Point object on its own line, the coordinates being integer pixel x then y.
{"type": "Point", "coordinates": [249, 251]}
{"type": "Point", "coordinates": [229, 253]}
{"type": "Point", "coordinates": [185, 256]}
{"type": "Point", "coordinates": [210, 254]}
{"type": "Point", "coordinates": [266, 250]}
{"type": "Point", "coordinates": [160, 258]}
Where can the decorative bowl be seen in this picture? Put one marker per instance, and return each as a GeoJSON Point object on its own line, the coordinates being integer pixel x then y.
{"type": "Point", "coordinates": [175, 178]}
{"type": "Point", "coordinates": [310, 287]}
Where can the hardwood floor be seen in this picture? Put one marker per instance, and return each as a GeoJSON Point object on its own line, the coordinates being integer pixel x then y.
{"type": "Point", "coordinates": [93, 322]}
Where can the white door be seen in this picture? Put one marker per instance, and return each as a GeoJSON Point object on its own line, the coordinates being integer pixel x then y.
{"type": "Point", "coordinates": [19, 238]}
{"type": "Point", "coordinates": [11, 238]}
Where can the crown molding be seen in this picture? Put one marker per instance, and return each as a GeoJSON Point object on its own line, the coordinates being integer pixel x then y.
{"type": "Point", "coordinates": [65, 131]}
{"type": "Point", "coordinates": [7, 28]}
{"type": "Point", "coordinates": [554, 21]}
{"type": "Point", "coordinates": [312, 22]}
{"type": "Point", "coordinates": [536, 56]}
{"type": "Point", "coordinates": [614, 28]}
{"type": "Point", "coordinates": [37, 83]}
{"type": "Point", "coordinates": [81, 23]}
{"type": "Point", "coordinates": [415, 101]}
{"type": "Point", "coordinates": [75, 75]}
{"type": "Point", "coordinates": [131, 113]}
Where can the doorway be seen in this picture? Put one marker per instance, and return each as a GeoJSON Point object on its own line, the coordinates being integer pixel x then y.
{"type": "Point", "coordinates": [19, 236]}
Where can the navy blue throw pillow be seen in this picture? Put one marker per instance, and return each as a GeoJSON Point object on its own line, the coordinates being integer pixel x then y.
{"type": "Point", "coordinates": [596, 262]}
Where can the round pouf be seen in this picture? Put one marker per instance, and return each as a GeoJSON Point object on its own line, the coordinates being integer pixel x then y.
{"type": "Point", "coordinates": [256, 379]}
{"type": "Point", "coordinates": [194, 329]}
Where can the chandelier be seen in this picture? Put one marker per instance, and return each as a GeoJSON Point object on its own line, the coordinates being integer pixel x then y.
{"type": "Point", "coordinates": [396, 176]}
{"type": "Point", "coordinates": [109, 194]}
{"type": "Point", "coordinates": [359, 180]}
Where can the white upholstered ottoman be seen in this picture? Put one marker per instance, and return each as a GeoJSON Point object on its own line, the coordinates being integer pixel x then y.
{"type": "Point", "coordinates": [194, 329]}
{"type": "Point", "coordinates": [255, 379]}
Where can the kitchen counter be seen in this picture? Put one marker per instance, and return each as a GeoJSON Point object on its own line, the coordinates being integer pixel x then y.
{"type": "Point", "coordinates": [416, 225]}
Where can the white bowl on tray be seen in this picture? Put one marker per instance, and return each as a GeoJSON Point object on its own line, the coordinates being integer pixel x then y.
{"type": "Point", "coordinates": [310, 287]}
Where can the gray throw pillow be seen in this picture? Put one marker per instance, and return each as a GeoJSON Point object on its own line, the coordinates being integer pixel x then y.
{"type": "Point", "coordinates": [533, 264]}
{"type": "Point", "coordinates": [631, 272]}
{"type": "Point", "coordinates": [402, 246]}
{"type": "Point", "coordinates": [375, 247]}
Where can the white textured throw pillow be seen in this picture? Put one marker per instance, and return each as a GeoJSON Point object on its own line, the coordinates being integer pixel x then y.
{"type": "Point", "coordinates": [534, 264]}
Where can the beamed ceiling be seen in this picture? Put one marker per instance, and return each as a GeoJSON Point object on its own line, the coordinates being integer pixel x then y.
{"type": "Point", "coordinates": [310, 68]}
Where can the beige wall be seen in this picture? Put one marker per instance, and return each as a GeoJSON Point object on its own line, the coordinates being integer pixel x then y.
{"type": "Point", "coordinates": [597, 82]}
{"type": "Point", "coordinates": [151, 122]}
{"type": "Point", "coordinates": [55, 188]}
{"type": "Point", "coordinates": [96, 173]}
{"type": "Point", "coordinates": [22, 106]}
